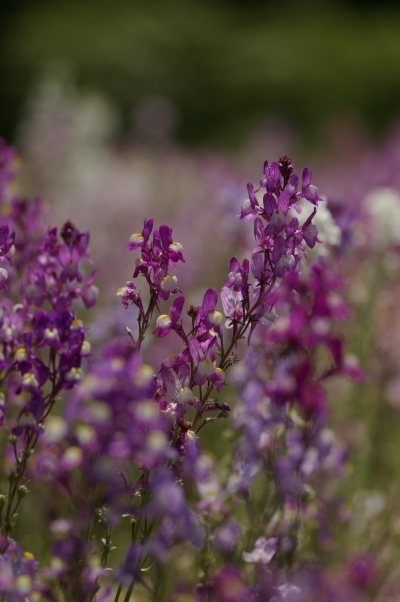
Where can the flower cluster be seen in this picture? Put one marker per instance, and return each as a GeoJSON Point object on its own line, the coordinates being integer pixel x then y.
{"type": "Point", "coordinates": [125, 454]}
{"type": "Point", "coordinates": [42, 341]}
{"type": "Point", "coordinates": [284, 413]}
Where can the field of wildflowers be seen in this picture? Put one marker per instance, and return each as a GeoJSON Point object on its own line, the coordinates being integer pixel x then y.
{"type": "Point", "coordinates": [205, 406]}
{"type": "Point", "coordinates": [224, 427]}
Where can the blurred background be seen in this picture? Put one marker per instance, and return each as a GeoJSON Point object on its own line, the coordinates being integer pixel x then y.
{"type": "Point", "coordinates": [126, 110]}
{"type": "Point", "coordinates": [214, 70]}
{"type": "Point", "coordinates": [135, 107]}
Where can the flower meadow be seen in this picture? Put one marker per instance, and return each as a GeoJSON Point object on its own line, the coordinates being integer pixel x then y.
{"type": "Point", "coordinates": [212, 450]}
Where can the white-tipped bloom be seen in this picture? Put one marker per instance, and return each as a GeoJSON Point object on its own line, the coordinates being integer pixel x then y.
{"type": "Point", "coordinates": [51, 335]}
{"type": "Point", "coordinates": [185, 395]}
{"type": "Point", "coordinates": [157, 441]}
{"type": "Point", "coordinates": [209, 490]}
{"type": "Point", "coordinates": [27, 419]}
{"type": "Point", "coordinates": [85, 348]}
{"type": "Point", "coordinates": [29, 381]}
{"type": "Point", "coordinates": [136, 239]}
{"type": "Point", "coordinates": [206, 367]}
{"type": "Point", "coordinates": [215, 317]}
{"type": "Point", "coordinates": [143, 376]}
{"type": "Point", "coordinates": [3, 276]}
{"type": "Point", "coordinates": [22, 585]}
{"type": "Point", "coordinates": [145, 411]}
{"type": "Point", "coordinates": [21, 355]}
{"type": "Point", "coordinates": [75, 375]}
{"type": "Point", "coordinates": [85, 434]}
{"type": "Point", "coordinates": [176, 247]}
{"type": "Point", "coordinates": [163, 321]}
{"type": "Point", "coordinates": [383, 205]}
{"type": "Point", "coordinates": [169, 283]}
{"type": "Point", "coordinates": [11, 252]}
{"type": "Point", "coordinates": [76, 324]}
{"type": "Point", "coordinates": [191, 437]}
{"type": "Point", "coordinates": [72, 457]}
{"type": "Point", "coordinates": [55, 430]}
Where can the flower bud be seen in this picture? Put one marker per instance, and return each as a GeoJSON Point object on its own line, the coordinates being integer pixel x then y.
{"type": "Point", "coordinates": [21, 492]}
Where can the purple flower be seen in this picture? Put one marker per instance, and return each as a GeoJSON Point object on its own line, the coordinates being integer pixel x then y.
{"type": "Point", "coordinates": [308, 190]}
{"type": "Point", "coordinates": [238, 275]}
{"type": "Point", "coordinates": [167, 322]}
{"type": "Point", "coordinates": [204, 361]}
{"type": "Point", "coordinates": [209, 320]}
{"type": "Point", "coordinates": [140, 240]}
{"type": "Point", "coordinates": [264, 551]}
{"type": "Point", "coordinates": [233, 308]}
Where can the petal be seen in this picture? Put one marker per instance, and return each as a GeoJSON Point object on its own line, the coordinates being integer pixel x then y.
{"type": "Point", "coordinates": [307, 175]}
{"type": "Point", "coordinates": [257, 264]}
{"type": "Point", "coordinates": [270, 205]}
{"type": "Point", "coordinates": [234, 265]}
{"type": "Point", "coordinates": [209, 301]}
{"type": "Point", "coordinates": [274, 171]}
{"type": "Point", "coordinates": [291, 186]}
{"type": "Point", "coordinates": [196, 351]}
{"type": "Point", "coordinates": [283, 202]}
{"type": "Point", "coordinates": [258, 230]}
{"type": "Point", "coordinates": [171, 382]}
{"type": "Point", "coordinates": [228, 302]}
{"type": "Point", "coordinates": [184, 375]}
{"type": "Point", "coordinates": [176, 309]}
{"type": "Point", "coordinates": [166, 237]}
{"type": "Point", "coordinates": [279, 249]}
{"type": "Point", "coordinates": [4, 230]}
{"type": "Point", "coordinates": [252, 196]}
{"type": "Point", "coordinates": [310, 234]}
{"type": "Point", "coordinates": [64, 255]}
{"type": "Point", "coordinates": [148, 227]}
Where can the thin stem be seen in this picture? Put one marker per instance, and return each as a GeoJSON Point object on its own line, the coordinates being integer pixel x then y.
{"type": "Point", "coordinates": [242, 330]}
{"type": "Point", "coordinates": [145, 320]}
{"type": "Point", "coordinates": [119, 590]}
{"type": "Point", "coordinates": [129, 591]}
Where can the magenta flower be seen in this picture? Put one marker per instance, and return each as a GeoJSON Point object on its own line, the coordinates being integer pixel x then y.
{"type": "Point", "coordinates": [238, 275]}
{"type": "Point", "coordinates": [167, 322]}
{"type": "Point", "coordinates": [204, 361]}
{"type": "Point", "coordinates": [209, 320]}
{"type": "Point", "coordinates": [308, 190]}
{"type": "Point", "coordinates": [140, 240]}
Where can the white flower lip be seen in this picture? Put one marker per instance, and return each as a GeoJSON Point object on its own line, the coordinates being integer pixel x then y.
{"type": "Point", "coordinates": [185, 395]}
{"type": "Point", "coordinates": [163, 321]}
{"type": "Point", "coordinates": [169, 283]}
{"type": "Point", "coordinates": [136, 238]}
{"type": "Point", "coordinates": [215, 317]}
{"type": "Point", "coordinates": [206, 367]}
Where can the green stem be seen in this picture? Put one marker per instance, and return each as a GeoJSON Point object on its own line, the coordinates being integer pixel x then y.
{"type": "Point", "coordinates": [119, 590]}
{"type": "Point", "coordinates": [129, 591]}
